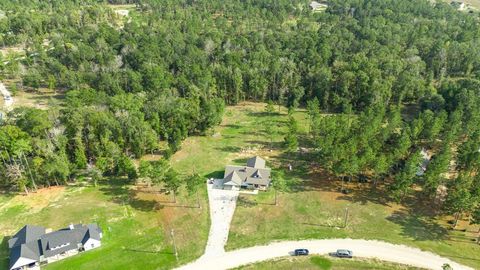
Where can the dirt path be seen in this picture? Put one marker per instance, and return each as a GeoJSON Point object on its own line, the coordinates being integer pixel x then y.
{"type": "Point", "coordinates": [361, 248]}
{"type": "Point", "coordinates": [222, 206]}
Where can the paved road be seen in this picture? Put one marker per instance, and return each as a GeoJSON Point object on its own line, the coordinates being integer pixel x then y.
{"type": "Point", "coordinates": [361, 248]}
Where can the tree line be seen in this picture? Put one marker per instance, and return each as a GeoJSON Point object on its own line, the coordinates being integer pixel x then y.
{"type": "Point", "coordinates": [169, 69]}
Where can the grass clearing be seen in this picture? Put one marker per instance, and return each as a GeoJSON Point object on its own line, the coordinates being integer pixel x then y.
{"type": "Point", "coordinates": [314, 208]}
{"type": "Point", "coordinates": [323, 263]}
{"type": "Point", "coordinates": [136, 224]}
{"type": "Point", "coordinates": [137, 219]}
{"type": "Point", "coordinates": [43, 98]}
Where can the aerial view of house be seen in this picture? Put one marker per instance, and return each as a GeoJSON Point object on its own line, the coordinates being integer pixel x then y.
{"type": "Point", "coordinates": [239, 134]}
{"type": "Point", "coordinates": [252, 176]}
{"type": "Point", "coordinates": [32, 245]}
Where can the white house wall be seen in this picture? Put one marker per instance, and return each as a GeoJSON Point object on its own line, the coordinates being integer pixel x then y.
{"type": "Point", "coordinates": [21, 262]}
{"type": "Point", "coordinates": [90, 242]}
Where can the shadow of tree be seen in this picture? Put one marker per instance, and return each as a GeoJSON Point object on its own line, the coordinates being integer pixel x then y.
{"type": "Point", "coordinates": [245, 203]}
{"type": "Point", "coordinates": [263, 114]}
{"type": "Point", "coordinates": [215, 175]}
{"type": "Point", "coordinates": [4, 253]}
{"type": "Point", "coordinates": [229, 149]}
{"type": "Point", "coordinates": [232, 126]}
{"type": "Point", "coordinates": [267, 144]}
{"type": "Point", "coordinates": [149, 251]}
{"type": "Point", "coordinates": [240, 161]}
{"type": "Point", "coordinates": [418, 227]}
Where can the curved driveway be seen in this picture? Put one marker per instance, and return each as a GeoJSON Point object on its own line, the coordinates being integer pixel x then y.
{"type": "Point", "coordinates": [361, 248]}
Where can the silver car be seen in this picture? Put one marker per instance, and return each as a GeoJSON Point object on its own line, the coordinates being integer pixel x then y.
{"type": "Point", "coordinates": [344, 253]}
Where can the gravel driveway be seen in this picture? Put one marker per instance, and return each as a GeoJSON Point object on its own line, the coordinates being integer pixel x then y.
{"type": "Point", "coordinates": [222, 206]}
{"type": "Point", "coordinates": [361, 248]}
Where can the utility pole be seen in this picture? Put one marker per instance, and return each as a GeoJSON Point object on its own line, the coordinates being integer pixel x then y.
{"type": "Point", "coordinates": [172, 233]}
{"type": "Point", "coordinates": [276, 202]}
{"type": "Point", "coordinates": [346, 217]}
{"type": "Point", "coordinates": [275, 192]}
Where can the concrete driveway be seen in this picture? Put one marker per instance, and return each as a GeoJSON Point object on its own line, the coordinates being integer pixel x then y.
{"type": "Point", "coordinates": [222, 206]}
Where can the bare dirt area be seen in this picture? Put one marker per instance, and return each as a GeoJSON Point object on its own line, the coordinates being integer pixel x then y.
{"type": "Point", "coordinates": [42, 99]}
{"type": "Point", "coordinates": [36, 201]}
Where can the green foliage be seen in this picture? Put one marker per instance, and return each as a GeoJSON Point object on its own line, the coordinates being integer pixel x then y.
{"type": "Point", "coordinates": [321, 262]}
{"type": "Point", "coordinates": [269, 108]}
{"type": "Point", "coordinates": [291, 141]}
{"type": "Point", "coordinates": [193, 182]}
{"type": "Point", "coordinates": [406, 177]}
{"type": "Point", "coordinates": [14, 141]}
{"type": "Point", "coordinates": [438, 165]}
{"type": "Point", "coordinates": [33, 121]}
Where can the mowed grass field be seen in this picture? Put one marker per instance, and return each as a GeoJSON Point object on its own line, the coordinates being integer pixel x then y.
{"type": "Point", "coordinates": [323, 263]}
{"type": "Point", "coordinates": [136, 224]}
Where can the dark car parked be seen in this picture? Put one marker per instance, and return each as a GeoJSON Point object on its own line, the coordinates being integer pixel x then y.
{"type": "Point", "coordinates": [301, 251]}
{"type": "Point", "coordinates": [344, 253]}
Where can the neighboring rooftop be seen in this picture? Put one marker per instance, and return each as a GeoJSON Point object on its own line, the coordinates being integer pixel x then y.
{"type": "Point", "coordinates": [318, 6]}
{"type": "Point", "coordinates": [32, 244]}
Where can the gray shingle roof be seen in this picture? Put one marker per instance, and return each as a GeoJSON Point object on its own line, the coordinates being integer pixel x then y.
{"type": "Point", "coordinates": [30, 250]}
{"type": "Point", "coordinates": [233, 178]}
{"type": "Point", "coordinates": [50, 244]}
{"type": "Point", "coordinates": [256, 162]}
{"type": "Point", "coordinates": [27, 234]}
{"type": "Point", "coordinates": [255, 173]}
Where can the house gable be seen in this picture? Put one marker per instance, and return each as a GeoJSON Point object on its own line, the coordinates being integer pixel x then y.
{"type": "Point", "coordinates": [22, 262]}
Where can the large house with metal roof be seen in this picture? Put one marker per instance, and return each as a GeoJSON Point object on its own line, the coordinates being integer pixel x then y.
{"type": "Point", "coordinates": [33, 245]}
{"type": "Point", "coordinates": [253, 176]}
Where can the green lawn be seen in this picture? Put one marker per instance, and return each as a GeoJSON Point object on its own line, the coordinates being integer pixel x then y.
{"type": "Point", "coordinates": [136, 227]}
{"type": "Point", "coordinates": [240, 136]}
{"type": "Point", "coordinates": [313, 208]}
{"type": "Point", "coordinates": [323, 263]}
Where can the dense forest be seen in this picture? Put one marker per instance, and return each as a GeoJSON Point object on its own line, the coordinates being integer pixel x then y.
{"type": "Point", "coordinates": [398, 78]}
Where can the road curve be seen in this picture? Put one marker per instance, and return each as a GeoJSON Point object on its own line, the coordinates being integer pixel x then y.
{"type": "Point", "coordinates": [361, 248]}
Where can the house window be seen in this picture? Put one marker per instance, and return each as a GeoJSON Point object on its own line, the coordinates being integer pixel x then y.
{"type": "Point", "coordinates": [57, 247]}
{"type": "Point", "coordinates": [93, 245]}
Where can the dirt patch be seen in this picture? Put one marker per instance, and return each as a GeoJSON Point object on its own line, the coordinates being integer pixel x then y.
{"type": "Point", "coordinates": [40, 199]}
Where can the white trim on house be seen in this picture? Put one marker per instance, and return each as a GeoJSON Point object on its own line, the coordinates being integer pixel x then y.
{"type": "Point", "coordinates": [22, 262]}
{"type": "Point", "coordinates": [91, 244]}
